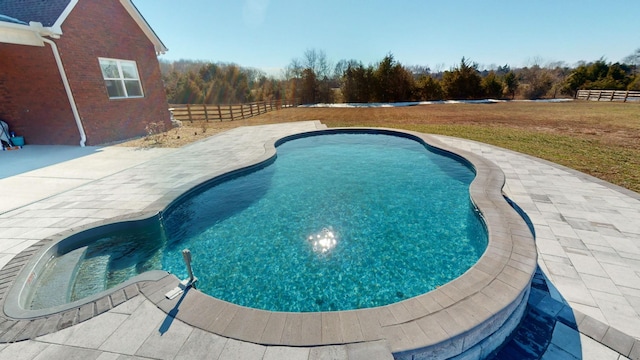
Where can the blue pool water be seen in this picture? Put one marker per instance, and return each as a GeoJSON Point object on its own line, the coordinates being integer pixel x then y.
{"type": "Point", "coordinates": [336, 222]}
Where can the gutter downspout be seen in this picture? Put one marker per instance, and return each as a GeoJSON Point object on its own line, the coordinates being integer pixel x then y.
{"type": "Point", "coordinates": [65, 82]}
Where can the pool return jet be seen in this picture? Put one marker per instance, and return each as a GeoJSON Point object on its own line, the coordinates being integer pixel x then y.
{"type": "Point", "coordinates": [186, 283]}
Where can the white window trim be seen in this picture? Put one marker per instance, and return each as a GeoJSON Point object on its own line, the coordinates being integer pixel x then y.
{"type": "Point", "coordinates": [122, 78]}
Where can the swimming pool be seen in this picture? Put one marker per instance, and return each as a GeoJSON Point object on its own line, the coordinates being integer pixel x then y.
{"type": "Point", "coordinates": [477, 309]}
{"type": "Point", "coordinates": [336, 222]}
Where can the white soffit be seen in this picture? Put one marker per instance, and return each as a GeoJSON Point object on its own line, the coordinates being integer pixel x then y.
{"type": "Point", "coordinates": [19, 34]}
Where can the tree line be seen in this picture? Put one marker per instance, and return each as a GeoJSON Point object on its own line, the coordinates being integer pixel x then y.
{"type": "Point", "coordinates": [200, 82]}
{"type": "Point", "coordinates": [314, 79]}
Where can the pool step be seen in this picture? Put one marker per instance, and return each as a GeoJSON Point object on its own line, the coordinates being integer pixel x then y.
{"type": "Point", "coordinates": [56, 280]}
{"type": "Point", "coordinates": [91, 277]}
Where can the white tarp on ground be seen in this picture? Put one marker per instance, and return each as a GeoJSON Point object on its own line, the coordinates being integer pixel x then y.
{"type": "Point", "coordinates": [415, 103]}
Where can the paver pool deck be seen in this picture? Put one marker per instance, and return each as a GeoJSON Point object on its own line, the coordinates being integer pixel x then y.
{"type": "Point", "coordinates": [587, 235]}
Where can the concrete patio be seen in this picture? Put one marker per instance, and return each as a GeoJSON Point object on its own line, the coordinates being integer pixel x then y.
{"type": "Point", "coordinates": [588, 239]}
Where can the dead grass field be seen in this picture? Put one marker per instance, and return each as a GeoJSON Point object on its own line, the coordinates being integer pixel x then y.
{"type": "Point", "coordinates": [598, 138]}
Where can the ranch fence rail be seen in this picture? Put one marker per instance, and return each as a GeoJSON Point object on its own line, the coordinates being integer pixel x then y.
{"type": "Point", "coordinates": [608, 95]}
{"type": "Point", "coordinates": [208, 112]}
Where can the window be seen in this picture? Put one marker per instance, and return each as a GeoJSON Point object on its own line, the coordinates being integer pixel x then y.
{"type": "Point", "coordinates": [121, 78]}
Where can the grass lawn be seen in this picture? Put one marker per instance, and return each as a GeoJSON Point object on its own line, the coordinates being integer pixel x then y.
{"type": "Point", "coordinates": [598, 138]}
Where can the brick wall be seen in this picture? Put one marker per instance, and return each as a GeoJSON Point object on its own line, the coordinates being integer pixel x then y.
{"type": "Point", "coordinates": [99, 28]}
{"type": "Point", "coordinates": [32, 98]}
{"type": "Point", "coordinates": [95, 28]}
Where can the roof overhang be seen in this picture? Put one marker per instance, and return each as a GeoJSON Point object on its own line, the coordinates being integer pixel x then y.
{"type": "Point", "coordinates": [14, 31]}
{"type": "Point", "coordinates": [142, 23]}
{"type": "Point", "coordinates": [20, 34]}
{"type": "Point", "coordinates": [57, 26]}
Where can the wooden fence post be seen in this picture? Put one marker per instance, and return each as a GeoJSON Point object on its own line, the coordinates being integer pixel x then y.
{"type": "Point", "coordinates": [189, 111]}
{"type": "Point", "coordinates": [192, 112]}
{"type": "Point", "coordinates": [626, 95]}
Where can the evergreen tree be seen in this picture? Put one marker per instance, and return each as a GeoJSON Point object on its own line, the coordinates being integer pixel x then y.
{"type": "Point", "coordinates": [463, 82]}
{"type": "Point", "coordinates": [309, 86]}
{"type": "Point", "coordinates": [598, 75]}
{"type": "Point", "coordinates": [428, 88]}
{"type": "Point", "coordinates": [357, 84]}
{"type": "Point", "coordinates": [392, 81]}
{"type": "Point", "coordinates": [511, 84]}
{"type": "Point", "coordinates": [492, 86]}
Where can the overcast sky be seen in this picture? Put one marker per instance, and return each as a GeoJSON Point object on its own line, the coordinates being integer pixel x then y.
{"type": "Point", "coordinates": [267, 34]}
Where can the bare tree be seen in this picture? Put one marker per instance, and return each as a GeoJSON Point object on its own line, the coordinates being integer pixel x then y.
{"type": "Point", "coordinates": [294, 69]}
{"type": "Point", "coordinates": [418, 70]}
{"type": "Point", "coordinates": [317, 61]}
{"type": "Point", "coordinates": [532, 62]}
{"type": "Point", "coordinates": [633, 60]}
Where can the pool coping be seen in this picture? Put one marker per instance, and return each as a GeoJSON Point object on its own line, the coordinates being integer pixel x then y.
{"type": "Point", "coordinates": [448, 317]}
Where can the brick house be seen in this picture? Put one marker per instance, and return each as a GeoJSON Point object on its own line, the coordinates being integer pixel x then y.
{"type": "Point", "coordinates": [79, 71]}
